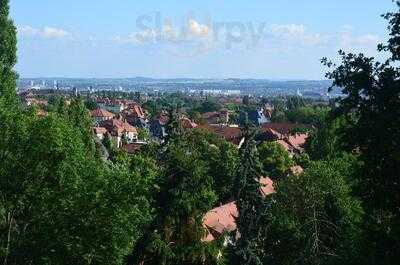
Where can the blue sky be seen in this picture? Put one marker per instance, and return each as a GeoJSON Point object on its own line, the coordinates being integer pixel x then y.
{"type": "Point", "coordinates": [206, 39]}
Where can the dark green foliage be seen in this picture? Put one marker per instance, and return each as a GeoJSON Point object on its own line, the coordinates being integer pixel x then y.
{"type": "Point", "coordinates": [250, 204]}
{"type": "Point", "coordinates": [302, 160]}
{"type": "Point", "coordinates": [91, 104]}
{"type": "Point", "coordinates": [143, 134]}
{"type": "Point", "coordinates": [327, 142]}
{"type": "Point", "coordinates": [8, 54]}
{"type": "Point", "coordinates": [275, 160]}
{"type": "Point", "coordinates": [308, 115]}
{"type": "Point", "coordinates": [60, 204]}
{"type": "Point", "coordinates": [371, 107]}
{"type": "Point", "coordinates": [185, 195]}
{"type": "Point", "coordinates": [65, 207]}
{"type": "Point", "coordinates": [220, 157]}
{"type": "Point", "coordinates": [208, 106]}
{"type": "Point", "coordinates": [313, 218]}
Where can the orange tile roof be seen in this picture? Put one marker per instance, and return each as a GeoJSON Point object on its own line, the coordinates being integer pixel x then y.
{"type": "Point", "coordinates": [100, 113]}
{"type": "Point", "coordinates": [285, 145]}
{"type": "Point", "coordinates": [297, 140]}
{"type": "Point", "coordinates": [134, 110]}
{"type": "Point", "coordinates": [220, 220]}
{"type": "Point", "coordinates": [188, 124]}
{"type": "Point", "coordinates": [267, 186]}
{"type": "Point", "coordinates": [231, 134]}
{"type": "Point", "coordinates": [117, 127]}
{"type": "Point", "coordinates": [99, 130]}
{"type": "Point", "coordinates": [223, 219]}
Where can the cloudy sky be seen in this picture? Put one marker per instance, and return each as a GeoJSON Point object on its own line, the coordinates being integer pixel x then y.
{"type": "Point", "coordinates": [205, 39]}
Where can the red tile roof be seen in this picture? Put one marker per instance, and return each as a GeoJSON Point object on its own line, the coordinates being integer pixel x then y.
{"type": "Point", "coordinates": [162, 118]}
{"type": "Point", "coordinates": [99, 130]}
{"type": "Point", "coordinates": [134, 110]}
{"type": "Point", "coordinates": [231, 134]}
{"type": "Point", "coordinates": [117, 127]}
{"type": "Point", "coordinates": [220, 220]}
{"type": "Point", "coordinates": [267, 186]}
{"type": "Point", "coordinates": [285, 145]}
{"type": "Point", "coordinates": [188, 124]}
{"type": "Point", "coordinates": [298, 140]}
{"type": "Point", "coordinates": [132, 148]}
{"type": "Point", "coordinates": [223, 219]}
{"type": "Point", "coordinates": [100, 113]}
{"type": "Point", "coordinates": [282, 128]}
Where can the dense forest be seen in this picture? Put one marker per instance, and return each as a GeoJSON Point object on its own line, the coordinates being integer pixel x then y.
{"type": "Point", "coordinates": [62, 203]}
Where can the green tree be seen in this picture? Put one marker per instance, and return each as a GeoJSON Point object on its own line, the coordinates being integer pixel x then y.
{"type": "Point", "coordinates": [91, 104]}
{"type": "Point", "coordinates": [220, 158]}
{"type": "Point", "coordinates": [275, 159]}
{"type": "Point", "coordinates": [8, 54]}
{"type": "Point", "coordinates": [327, 141]}
{"type": "Point", "coordinates": [371, 106]}
{"type": "Point", "coordinates": [313, 218]}
{"type": "Point", "coordinates": [185, 194]}
{"type": "Point", "coordinates": [143, 134]}
{"type": "Point", "coordinates": [250, 203]}
{"type": "Point", "coordinates": [65, 206]}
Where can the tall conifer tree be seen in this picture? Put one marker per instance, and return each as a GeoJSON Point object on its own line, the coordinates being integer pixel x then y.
{"type": "Point", "coordinates": [249, 201]}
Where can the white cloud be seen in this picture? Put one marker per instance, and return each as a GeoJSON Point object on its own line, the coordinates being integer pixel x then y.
{"type": "Point", "coordinates": [191, 31]}
{"type": "Point", "coordinates": [197, 29]}
{"type": "Point", "coordinates": [27, 31]}
{"type": "Point", "coordinates": [348, 41]}
{"type": "Point", "coordinates": [296, 33]}
{"type": "Point", "coordinates": [49, 32]}
{"type": "Point", "coordinates": [368, 40]}
{"type": "Point", "coordinates": [290, 30]}
{"type": "Point", "coordinates": [46, 32]}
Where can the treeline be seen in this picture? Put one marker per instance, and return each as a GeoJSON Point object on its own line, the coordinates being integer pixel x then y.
{"type": "Point", "coordinates": [62, 203]}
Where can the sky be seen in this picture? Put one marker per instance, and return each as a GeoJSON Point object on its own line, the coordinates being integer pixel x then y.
{"type": "Point", "coordinates": [269, 39]}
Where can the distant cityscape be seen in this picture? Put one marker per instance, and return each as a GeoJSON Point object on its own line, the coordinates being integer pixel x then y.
{"type": "Point", "coordinates": [316, 89]}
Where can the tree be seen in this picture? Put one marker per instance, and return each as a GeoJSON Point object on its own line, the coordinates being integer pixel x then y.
{"type": "Point", "coordinates": [220, 158]}
{"type": "Point", "coordinates": [313, 218]}
{"type": "Point", "coordinates": [185, 194]}
{"type": "Point", "coordinates": [143, 134]}
{"type": "Point", "coordinates": [66, 206]}
{"type": "Point", "coordinates": [371, 106]}
{"type": "Point", "coordinates": [8, 54]}
{"type": "Point", "coordinates": [91, 104]}
{"type": "Point", "coordinates": [250, 203]}
{"type": "Point", "coordinates": [327, 141]}
{"type": "Point", "coordinates": [275, 159]}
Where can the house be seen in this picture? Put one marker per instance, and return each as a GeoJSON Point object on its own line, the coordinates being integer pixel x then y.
{"type": "Point", "coordinates": [297, 141]}
{"type": "Point", "coordinates": [120, 131]}
{"type": "Point", "coordinates": [231, 134]}
{"type": "Point", "coordinates": [158, 126]}
{"type": "Point", "coordinates": [187, 123]}
{"type": "Point", "coordinates": [135, 115]}
{"type": "Point", "coordinates": [281, 133]}
{"type": "Point", "coordinates": [99, 132]}
{"type": "Point", "coordinates": [114, 105]}
{"type": "Point", "coordinates": [100, 115]}
{"type": "Point", "coordinates": [216, 117]}
{"type": "Point", "coordinates": [30, 101]}
{"type": "Point", "coordinates": [222, 219]}
{"type": "Point", "coordinates": [283, 128]}
{"type": "Point", "coordinates": [132, 148]}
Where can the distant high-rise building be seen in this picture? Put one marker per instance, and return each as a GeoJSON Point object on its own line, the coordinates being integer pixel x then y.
{"type": "Point", "coordinates": [55, 83]}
